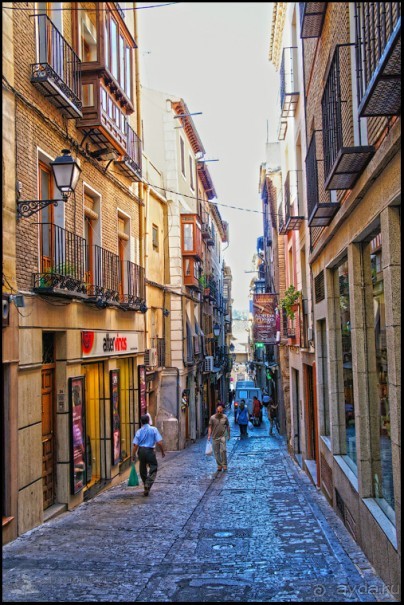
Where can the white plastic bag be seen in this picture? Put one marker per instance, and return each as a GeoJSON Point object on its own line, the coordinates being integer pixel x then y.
{"type": "Point", "coordinates": [208, 449]}
{"type": "Point", "coordinates": [250, 425]}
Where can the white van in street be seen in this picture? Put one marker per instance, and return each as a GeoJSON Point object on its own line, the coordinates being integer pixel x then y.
{"type": "Point", "coordinates": [247, 393]}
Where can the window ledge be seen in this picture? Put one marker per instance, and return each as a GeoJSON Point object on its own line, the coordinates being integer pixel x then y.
{"type": "Point", "coordinates": [6, 520]}
{"type": "Point", "coordinates": [346, 469]}
{"type": "Point", "coordinates": [327, 441]}
{"type": "Point", "coordinates": [382, 520]}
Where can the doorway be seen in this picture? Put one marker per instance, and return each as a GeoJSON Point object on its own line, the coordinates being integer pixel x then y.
{"type": "Point", "coordinates": [48, 436]}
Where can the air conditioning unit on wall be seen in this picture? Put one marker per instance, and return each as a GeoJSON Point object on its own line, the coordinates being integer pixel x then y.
{"type": "Point", "coordinates": [208, 364]}
{"type": "Point", "coordinates": [150, 358]}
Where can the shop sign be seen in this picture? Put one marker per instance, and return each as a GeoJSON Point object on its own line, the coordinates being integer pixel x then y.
{"type": "Point", "coordinates": [264, 318]}
{"type": "Point", "coordinates": [102, 344]}
{"type": "Point", "coordinates": [77, 433]}
{"type": "Point", "coordinates": [115, 420]}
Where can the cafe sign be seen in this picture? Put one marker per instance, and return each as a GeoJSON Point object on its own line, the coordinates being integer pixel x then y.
{"type": "Point", "coordinates": [101, 344]}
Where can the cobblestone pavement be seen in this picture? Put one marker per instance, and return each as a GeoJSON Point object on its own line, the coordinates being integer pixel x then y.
{"type": "Point", "coordinates": [259, 532]}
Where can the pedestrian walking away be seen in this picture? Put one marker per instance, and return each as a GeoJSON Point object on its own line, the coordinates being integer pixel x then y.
{"type": "Point", "coordinates": [257, 411]}
{"type": "Point", "coordinates": [273, 416]}
{"type": "Point", "coordinates": [144, 442]}
{"type": "Point", "coordinates": [219, 431]}
{"type": "Point", "coordinates": [242, 419]}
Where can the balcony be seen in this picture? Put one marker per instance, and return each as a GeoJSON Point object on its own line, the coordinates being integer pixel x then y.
{"type": "Point", "coordinates": [160, 345]}
{"type": "Point", "coordinates": [131, 163]}
{"type": "Point", "coordinates": [344, 161]}
{"type": "Point", "coordinates": [281, 225]}
{"type": "Point", "coordinates": [70, 268]}
{"type": "Point", "coordinates": [62, 263]}
{"type": "Point", "coordinates": [191, 236]}
{"type": "Point", "coordinates": [132, 286]}
{"type": "Point", "coordinates": [103, 122]}
{"type": "Point", "coordinates": [378, 46]}
{"type": "Point", "coordinates": [320, 209]}
{"type": "Point", "coordinates": [289, 90]}
{"type": "Point", "coordinates": [191, 269]}
{"type": "Point", "coordinates": [114, 282]}
{"type": "Point", "coordinates": [311, 18]}
{"type": "Point", "coordinates": [57, 73]}
{"type": "Point", "coordinates": [293, 200]}
{"type": "Point", "coordinates": [207, 231]}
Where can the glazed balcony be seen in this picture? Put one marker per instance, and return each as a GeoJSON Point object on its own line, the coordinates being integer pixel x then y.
{"type": "Point", "coordinates": [320, 209]}
{"type": "Point", "coordinates": [311, 18]}
{"type": "Point", "coordinates": [57, 73]}
{"type": "Point", "coordinates": [289, 87]}
{"type": "Point", "coordinates": [131, 163]}
{"type": "Point", "coordinates": [378, 47]}
{"type": "Point", "coordinates": [103, 123]}
{"type": "Point", "coordinates": [344, 161]}
{"type": "Point", "coordinates": [293, 200]}
{"type": "Point", "coordinates": [191, 233]}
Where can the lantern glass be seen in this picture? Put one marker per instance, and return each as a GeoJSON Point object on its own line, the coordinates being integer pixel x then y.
{"type": "Point", "coordinates": [66, 172]}
{"type": "Point", "coordinates": [216, 329]}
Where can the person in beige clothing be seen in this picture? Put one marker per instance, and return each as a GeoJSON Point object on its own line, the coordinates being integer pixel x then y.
{"type": "Point", "coordinates": [219, 430]}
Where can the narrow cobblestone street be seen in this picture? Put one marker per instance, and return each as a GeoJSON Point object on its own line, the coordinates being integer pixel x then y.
{"type": "Point", "coordinates": [259, 532]}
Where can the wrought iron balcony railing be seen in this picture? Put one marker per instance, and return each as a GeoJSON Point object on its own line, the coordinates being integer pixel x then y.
{"type": "Point", "coordinates": [289, 88]}
{"type": "Point", "coordinates": [320, 209]}
{"type": "Point", "coordinates": [57, 73]}
{"type": "Point", "coordinates": [132, 285]}
{"type": "Point", "coordinates": [131, 162]}
{"type": "Point", "coordinates": [378, 47]}
{"type": "Point", "coordinates": [160, 345]}
{"type": "Point", "coordinates": [343, 160]}
{"type": "Point", "coordinates": [311, 18]}
{"type": "Point", "coordinates": [62, 262]}
{"type": "Point", "coordinates": [69, 267]}
{"type": "Point", "coordinates": [293, 200]}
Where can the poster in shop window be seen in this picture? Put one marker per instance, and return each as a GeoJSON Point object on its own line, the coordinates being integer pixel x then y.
{"type": "Point", "coordinates": [142, 390]}
{"type": "Point", "coordinates": [77, 433]}
{"type": "Point", "coordinates": [115, 420]}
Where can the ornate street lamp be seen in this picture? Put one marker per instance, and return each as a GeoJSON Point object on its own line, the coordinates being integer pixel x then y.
{"type": "Point", "coordinates": [66, 173]}
{"type": "Point", "coordinates": [216, 329]}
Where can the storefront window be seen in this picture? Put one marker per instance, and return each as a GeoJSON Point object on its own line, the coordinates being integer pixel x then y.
{"type": "Point", "coordinates": [126, 406]}
{"type": "Point", "coordinates": [383, 475]}
{"type": "Point", "coordinates": [345, 325]}
{"type": "Point", "coordinates": [323, 358]}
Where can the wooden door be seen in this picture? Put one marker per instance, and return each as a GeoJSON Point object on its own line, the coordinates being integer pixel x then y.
{"type": "Point", "coordinates": [48, 437]}
{"type": "Point", "coordinates": [46, 233]}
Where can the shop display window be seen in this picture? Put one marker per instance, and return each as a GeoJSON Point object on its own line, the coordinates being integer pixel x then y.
{"type": "Point", "coordinates": [346, 363]}
{"type": "Point", "coordinates": [383, 472]}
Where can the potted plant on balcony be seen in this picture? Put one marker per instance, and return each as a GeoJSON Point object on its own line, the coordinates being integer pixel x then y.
{"type": "Point", "coordinates": [204, 284]}
{"type": "Point", "coordinates": [290, 300]}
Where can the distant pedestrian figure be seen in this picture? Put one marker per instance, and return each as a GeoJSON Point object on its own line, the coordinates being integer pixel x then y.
{"type": "Point", "coordinates": [257, 410]}
{"type": "Point", "coordinates": [242, 419]}
{"type": "Point", "coordinates": [219, 430]}
{"type": "Point", "coordinates": [273, 416]}
{"type": "Point", "coordinates": [144, 444]}
{"type": "Point", "coordinates": [265, 399]}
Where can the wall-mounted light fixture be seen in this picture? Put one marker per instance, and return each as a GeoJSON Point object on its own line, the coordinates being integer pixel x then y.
{"type": "Point", "coordinates": [66, 173]}
{"type": "Point", "coordinates": [216, 329]}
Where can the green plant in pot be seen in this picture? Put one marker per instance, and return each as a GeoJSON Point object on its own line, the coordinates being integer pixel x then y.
{"type": "Point", "coordinates": [289, 300]}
